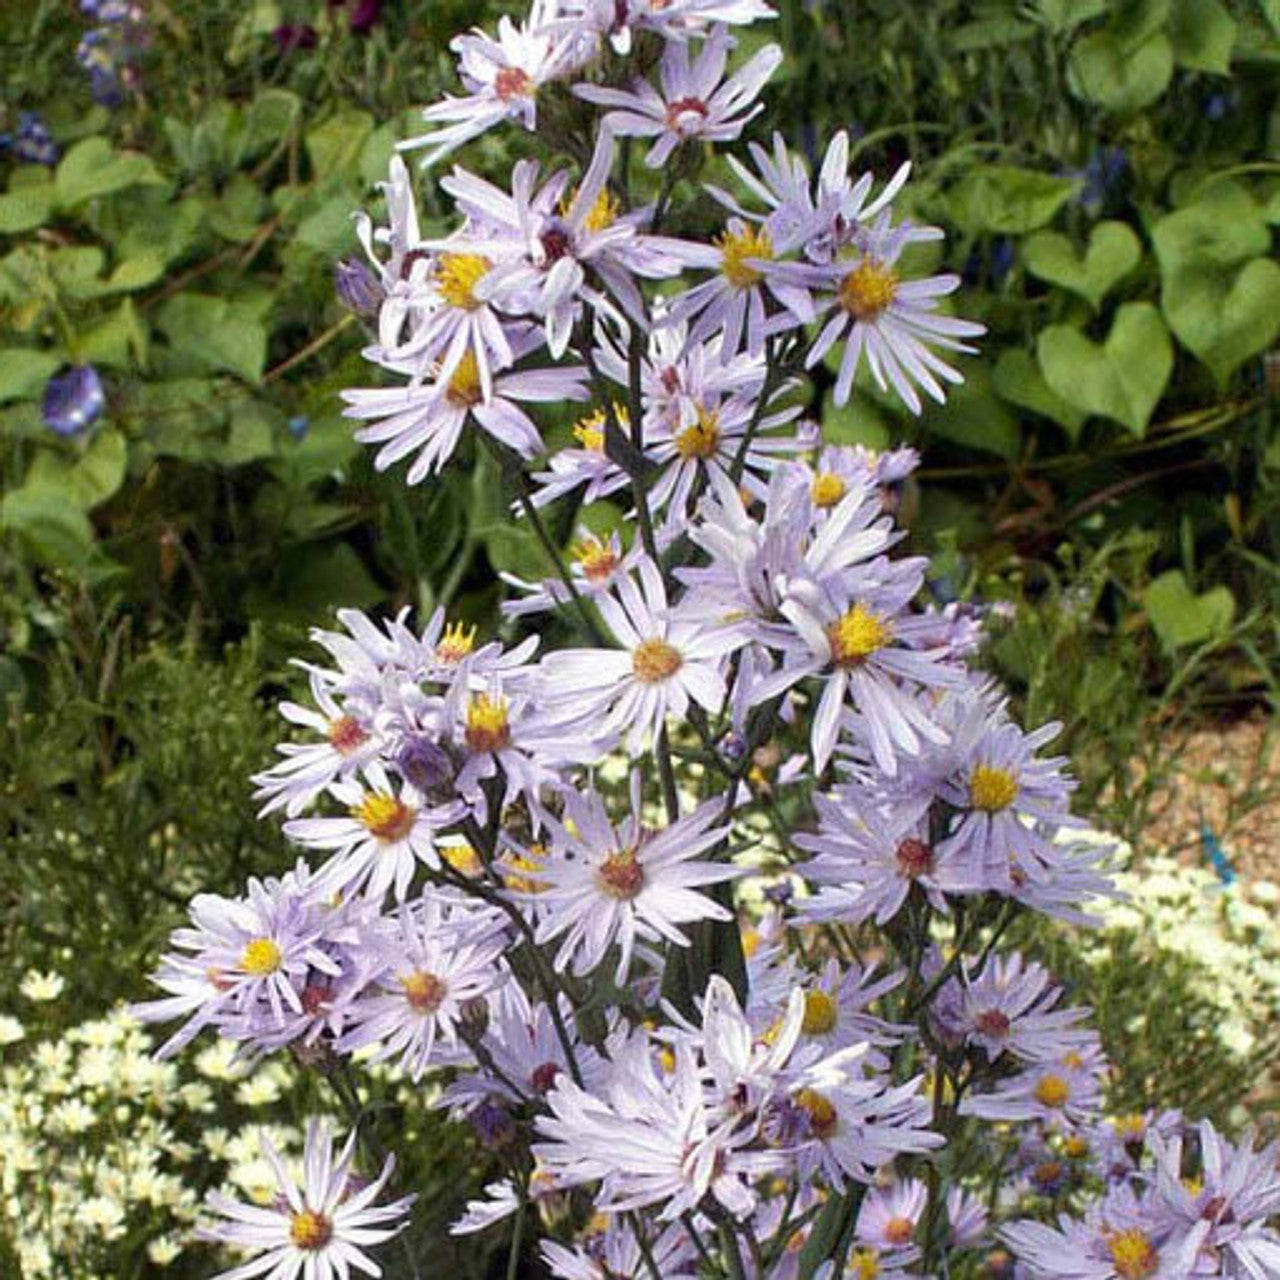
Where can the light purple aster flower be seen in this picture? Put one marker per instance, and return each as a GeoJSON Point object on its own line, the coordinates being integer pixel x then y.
{"type": "Point", "coordinates": [648, 1138]}
{"type": "Point", "coordinates": [440, 956]}
{"type": "Point", "coordinates": [1227, 1210]}
{"type": "Point", "coordinates": [318, 1229]}
{"type": "Point", "coordinates": [663, 665]}
{"type": "Point", "coordinates": [243, 963]}
{"type": "Point", "coordinates": [427, 418]}
{"type": "Point", "coordinates": [605, 886]}
{"type": "Point", "coordinates": [596, 565]}
{"type": "Point", "coordinates": [618, 1253]}
{"type": "Point", "coordinates": [386, 833]}
{"type": "Point", "coordinates": [892, 322]}
{"type": "Point", "coordinates": [889, 1217]}
{"type": "Point", "coordinates": [696, 100]}
{"type": "Point", "coordinates": [502, 77]}
{"type": "Point", "coordinates": [1059, 1093]}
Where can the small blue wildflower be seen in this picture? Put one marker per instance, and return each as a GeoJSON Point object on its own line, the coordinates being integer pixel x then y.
{"type": "Point", "coordinates": [74, 400]}
{"type": "Point", "coordinates": [299, 426]}
{"type": "Point", "coordinates": [32, 142]}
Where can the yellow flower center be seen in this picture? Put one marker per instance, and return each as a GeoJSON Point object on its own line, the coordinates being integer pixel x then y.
{"type": "Point", "coordinates": [821, 1014]}
{"type": "Point", "coordinates": [1131, 1128]}
{"type": "Point", "coordinates": [457, 275]}
{"type": "Point", "coordinates": [346, 734]}
{"type": "Point", "coordinates": [655, 660]}
{"type": "Point", "coordinates": [602, 214]}
{"type": "Point", "coordinates": [867, 291]}
{"type": "Point", "coordinates": [530, 861]}
{"type": "Point", "coordinates": [596, 557]}
{"type": "Point", "coordinates": [424, 992]}
{"type": "Point", "coordinates": [823, 1120]}
{"type": "Point", "coordinates": [863, 1264]}
{"type": "Point", "coordinates": [488, 728]}
{"type": "Point", "coordinates": [457, 643]}
{"type": "Point", "coordinates": [667, 1058]}
{"type": "Point", "coordinates": [260, 957]}
{"type": "Point", "coordinates": [701, 438]}
{"type": "Point", "coordinates": [1052, 1091]}
{"type": "Point", "coordinates": [736, 247]}
{"type": "Point", "coordinates": [385, 816]}
{"type": "Point", "coordinates": [827, 489]}
{"type": "Point", "coordinates": [899, 1230]}
{"type": "Point", "coordinates": [992, 788]}
{"type": "Point", "coordinates": [464, 386]}
{"type": "Point", "coordinates": [1076, 1147]}
{"type": "Point", "coordinates": [1132, 1254]}
{"type": "Point", "coordinates": [750, 942]}
{"type": "Point", "coordinates": [310, 1230]}
{"type": "Point", "coordinates": [857, 635]}
{"type": "Point", "coordinates": [620, 875]}
{"type": "Point", "coordinates": [464, 859]}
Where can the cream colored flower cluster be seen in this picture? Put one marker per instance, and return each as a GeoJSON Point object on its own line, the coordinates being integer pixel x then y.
{"type": "Point", "coordinates": [1227, 932]}
{"type": "Point", "coordinates": [106, 1154]}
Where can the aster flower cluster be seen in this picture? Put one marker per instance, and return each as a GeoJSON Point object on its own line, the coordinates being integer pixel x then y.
{"type": "Point", "coordinates": [521, 870]}
{"type": "Point", "coordinates": [110, 51]}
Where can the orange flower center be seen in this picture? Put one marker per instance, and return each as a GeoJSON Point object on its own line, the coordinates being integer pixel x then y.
{"type": "Point", "coordinates": [423, 991]}
{"type": "Point", "coordinates": [620, 875]}
{"type": "Point", "coordinates": [655, 660]}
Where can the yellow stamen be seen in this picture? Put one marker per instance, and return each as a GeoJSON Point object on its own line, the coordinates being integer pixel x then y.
{"type": "Point", "coordinates": [457, 275]}
{"type": "Point", "coordinates": [823, 1120]}
{"type": "Point", "coordinates": [736, 248]}
{"type": "Point", "coordinates": [603, 213]}
{"type": "Point", "coordinates": [423, 991]}
{"type": "Point", "coordinates": [655, 660]}
{"type": "Point", "coordinates": [820, 1014]}
{"type": "Point", "coordinates": [529, 861]}
{"type": "Point", "coordinates": [857, 635]}
{"type": "Point", "coordinates": [701, 438]}
{"type": "Point", "coordinates": [867, 291]}
{"type": "Point", "coordinates": [1132, 1254]}
{"type": "Point", "coordinates": [863, 1264]}
{"type": "Point", "coordinates": [464, 859]}
{"type": "Point", "coordinates": [260, 957]}
{"type": "Point", "coordinates": [464, 388]}
{"type": "Point", "coordinates": [310, 1230]}
{"type": "Point", "coordinates": [596, 557]}
{"type": "Point", "coordinates": [827, 489]}
{"type": "Point", "coordinates": [385, 816]}
{"type": "Point", "coordinates": [457, 643]}
{"type": "Point", "coordinates": [1052, 1091]}
{"type": "Point", "coordinates": [488, 727]}
{"type": "Point", "coordinates": [992, 788]}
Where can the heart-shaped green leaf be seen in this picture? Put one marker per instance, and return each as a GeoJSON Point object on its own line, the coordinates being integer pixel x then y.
{"type": "Point", "coordinates": [1203, 34]}
{"type": "Point", "coordinates": [1181, 617]}
{"type": "Point", "coordinates": [91, 168]}
{"type": "Point", "coordinates": [1123, 378]}
{"type": "Point", "coordinates": [1225, 319]}
{"type": "Point", "coordinates": [1223, 227]}
{"type": "Point", "coordinates": [1007, 200]}
{"type": "Point", "coordinates": [1019, 380]}
{"type": "Point", "coordinates": [1103, 71]}
{"type": "Point", "coordinates": [1114, 250]}
{"type": "Point", "coordinates": [24, 371]}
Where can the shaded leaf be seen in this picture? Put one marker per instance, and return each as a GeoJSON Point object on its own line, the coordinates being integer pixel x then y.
{"type": "Point", "coordinates": [1113, 251]}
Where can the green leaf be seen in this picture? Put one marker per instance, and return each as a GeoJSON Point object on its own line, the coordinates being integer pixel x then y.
{"type": "Point", "coordinates": [1007, 200]}
{"type": "Point", "coordinates": [1133, 22]}
{"type": "Point", "coordinates": [1018, 379]}
{"type": "Point", "coordinates": [1103, 72]}
{"type": "Point", "coordinates": [1114, 250]}
{"type": "Point", "coordinates": [216, 333]}
{"type": "Point", "coordinates": [857, 422]}
{"type": "Point", "coordinates": [237, 213]}
{"type": "Point", "coordinates": [75, 270]}
{"type": "Point", "coordinates": [23, 372]}
{"type": "Point", "coordinates": [1065, 15]}
{"type": "Point", "coordinates": [1223, 227]}
{"type": "Point", "coordinates": [267, 120]}
{"type": "Point", "coordinates": [1203, 34]}
{"type": "Point", "coordinates": [1123, 378]}
{"type": "Point", "coordinates": [87, 481]}
{"type": "Point", "coordinates": [56, 532]}
{"type": "Point", "coordinates": [514, 548]}
{"type": "Point", "coordinates": [974, 417]}
{"type": "Point", "coordinates": [135, 273]}
{"type": "Point", "coordinates": [313, 581]}
{"type": "Point", "coordinates": [335, 145]}
{"type": "Point", "coordinates": [1183, 618]}
{"type": "Point", "coordinates": [25, 208]}
{"type": "Point", "coordinates": [119, 339]}
{"type": "Point", "coordinates": [1223, 318]}
{"type": "Point", "coordinates": [91, 169]}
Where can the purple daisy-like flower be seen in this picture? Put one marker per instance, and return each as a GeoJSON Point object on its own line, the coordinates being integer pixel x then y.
{"type": "Point", "coordinates": [319, 1228]}
{"type": "Point", "coordinates": [696, 101]}
{"type": "Point", "coordinates": [74, 401]}
{"type": "Point", "coordinates": [605, 886]}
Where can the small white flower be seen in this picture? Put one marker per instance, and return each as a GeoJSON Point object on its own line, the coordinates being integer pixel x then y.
{"type": "Point", "coordinates": [41, 987]}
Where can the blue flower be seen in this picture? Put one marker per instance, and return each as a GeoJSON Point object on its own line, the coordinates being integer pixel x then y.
{"type": "Point", "coordinates": [74, 400]}
{"type": "Point", "coordinates": [32, 142]}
